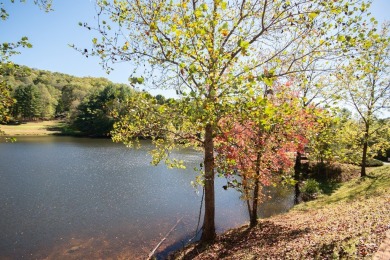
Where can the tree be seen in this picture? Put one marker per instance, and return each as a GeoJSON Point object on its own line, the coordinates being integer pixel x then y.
{"type": "Point", "coordinates": [257, 147]}
{"type": "Point", "coordinates": [71, 97]}
{"type": "Point", "coordinates": [6, 99]}
{"type": "Point", "coordinates": [94, 116]}
{"type": "Point", "coordinates": [28, 102]}
{"type": "Point", "coordinates": [212, 52]}
{"type": "Point", "coordinates": [366, 83]}
{"type": "Point", "coordinates": [315, 88]}
{"type": "Point", "coordinates": [8, 49]}
{"type": "Point", "coordinates": [350, 140]}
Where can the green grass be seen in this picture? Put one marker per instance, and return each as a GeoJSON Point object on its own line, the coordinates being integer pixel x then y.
{"type": "Point", "coordinates": [39, 128]}
{"type": "Point", "coordinates": [376, 183]}
{"type": "Point", "coordinates": [328, 187]}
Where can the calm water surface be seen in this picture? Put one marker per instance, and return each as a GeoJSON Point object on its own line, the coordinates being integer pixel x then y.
{"type": "Point", "coordinates": [73, 198]}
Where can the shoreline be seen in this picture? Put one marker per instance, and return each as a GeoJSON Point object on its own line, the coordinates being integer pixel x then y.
{"type": "Point", "coordinates": [352, 222]}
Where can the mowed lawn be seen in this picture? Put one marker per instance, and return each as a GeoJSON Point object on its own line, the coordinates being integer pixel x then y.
{"type": "Point", "coordinates": [33, 128]}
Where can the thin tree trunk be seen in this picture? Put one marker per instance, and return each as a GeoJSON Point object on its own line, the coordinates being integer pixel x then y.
{"type": "Point", "coordinates": [364, 157]}
{"type": "Point", "coordinates": [253, 217]}
{"type": "Point", "coordinates": [247, 196]}
{"type": "Point", "coordinates": [208, 233]}
{"type": "Point", "coordinates": [297, 171]}
{"type": "Point", "coordinates": [248, 204]}
{"type": "Point", "coordinates": [253, 220]}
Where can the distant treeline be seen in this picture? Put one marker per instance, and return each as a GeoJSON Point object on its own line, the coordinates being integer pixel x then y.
{"type": "Point", "coordinates": [85, 103]}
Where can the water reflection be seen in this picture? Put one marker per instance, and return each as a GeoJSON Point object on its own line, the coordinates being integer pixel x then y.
{"type": "Point", "coordinates": [72, 198]}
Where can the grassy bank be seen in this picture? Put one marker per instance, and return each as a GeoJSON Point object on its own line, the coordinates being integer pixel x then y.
{"type": "Point", "coordinates": [349, 223]}
{"type": "Point", "coordinates": [39, 128]}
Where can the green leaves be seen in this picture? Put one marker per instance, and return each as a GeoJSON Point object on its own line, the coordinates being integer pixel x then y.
{"type": "Point", "coordinates": [153, 26]}
{"type": "Point", "coordinates": [3, 14]}
{"type": "Point", "coordinates": [365, 86]}
{"type": "Point", "coordinates": [223, 5]}
{"type": "Point", "coordinates": [243, 44]}
{"type": "Point", "coordinates": [367, 44]}
{"type": "Point", "coordinates": [136, 80]}
{"type": "Point", "coordinates": [204, 7]}
{"type": "Point", "coordinates": [268, 81]}
{"type": "Point", "coordinates": [313, 15]}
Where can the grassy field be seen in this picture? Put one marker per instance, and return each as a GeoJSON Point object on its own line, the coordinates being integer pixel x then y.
{"type": "Point", "coordinates": [375, 184]}
{"type": "Point", "coordinates": [349, 224]}
{"type": "Point", "coordinates": [33, 128]}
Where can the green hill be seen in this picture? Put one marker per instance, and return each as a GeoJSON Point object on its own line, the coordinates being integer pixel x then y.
{"type": "Point", "coordinates": [41, 94]}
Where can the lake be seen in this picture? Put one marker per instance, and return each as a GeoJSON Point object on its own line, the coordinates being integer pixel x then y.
{"type": "Point", "coordinates": [80, 198]}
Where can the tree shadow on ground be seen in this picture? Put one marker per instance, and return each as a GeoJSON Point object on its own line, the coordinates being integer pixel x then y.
{"type": "Point", "coordinates": [266, 233]}
{"type": "Point", "coordinates": [368, 186]}
{"type": "Point", "coordinates": [64, 129]}
{"type": "Point", "coordinates": [329, 187]}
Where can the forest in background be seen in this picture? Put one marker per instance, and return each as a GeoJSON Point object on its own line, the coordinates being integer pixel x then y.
{"type": "Point", "coordinates": [85, 103]}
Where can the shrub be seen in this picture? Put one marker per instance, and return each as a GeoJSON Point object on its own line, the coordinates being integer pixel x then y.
{"type": "Point", "coordinates": [325, 172]}
{"type": "Point", "coordinates": [310, 190]}
{"type": "Point", "coordinates": [373, 163]}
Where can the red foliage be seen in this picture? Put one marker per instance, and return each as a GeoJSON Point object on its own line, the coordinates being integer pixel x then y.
{"type": "Point", "coordinates": [262, 143]}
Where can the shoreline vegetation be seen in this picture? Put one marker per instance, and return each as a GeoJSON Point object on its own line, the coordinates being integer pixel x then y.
{"type": "Point", "coordinates": [349, 223]}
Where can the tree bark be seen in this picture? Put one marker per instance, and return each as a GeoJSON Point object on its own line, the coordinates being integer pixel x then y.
{"type": "Point", "coordinates": [208, 233]}
{"type": "Point", "coordinates": [246, 190]}
{"type": "Point", "coordinates": [364, 156]}
{"type": "Point", "coordinates": [297, 171]}
{"type": "Point", "coordinates": [253, 216]}
{"type": "Point", "coordinates": [248, 204]}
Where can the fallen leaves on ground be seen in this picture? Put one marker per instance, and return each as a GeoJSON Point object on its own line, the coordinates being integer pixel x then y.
{"type": "Point", "coordinates": [349, 228]}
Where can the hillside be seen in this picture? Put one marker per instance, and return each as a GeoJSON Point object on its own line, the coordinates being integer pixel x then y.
{"type": "Point", "coordinates": [41, 94]}
{"type": "Point", "coordinates": [350, 223]}
{"type": "Point", "coordinates": [84, 106]}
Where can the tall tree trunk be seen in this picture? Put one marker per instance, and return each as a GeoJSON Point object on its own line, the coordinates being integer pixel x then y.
{"type": "Point", "coordinates": [253, 216]}
{"type": "Point", "coordinates": [364, 156]}
{"type": "Point", "coordinates": [297, 171]}
{"type": "Point", "coordinates": [208, 233]}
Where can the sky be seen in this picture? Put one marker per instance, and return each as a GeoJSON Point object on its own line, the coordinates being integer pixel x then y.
{"type": "Point", "coordinates": [52, 32]}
